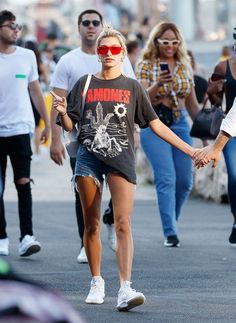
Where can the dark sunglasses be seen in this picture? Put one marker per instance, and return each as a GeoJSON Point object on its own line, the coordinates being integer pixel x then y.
{"type": "Point", "coordinates": [103, 50]}
{"type": "Point", "coordinates": [87, 23]}
{"type": "Point", "coordinates": [13, 26]}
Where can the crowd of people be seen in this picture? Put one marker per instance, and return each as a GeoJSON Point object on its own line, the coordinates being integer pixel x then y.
{"type": "Point", "coordinates": [95, 88]}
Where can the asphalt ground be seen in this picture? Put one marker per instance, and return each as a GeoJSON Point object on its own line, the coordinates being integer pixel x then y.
{"type": "Point", "coordinates": [193, 283]}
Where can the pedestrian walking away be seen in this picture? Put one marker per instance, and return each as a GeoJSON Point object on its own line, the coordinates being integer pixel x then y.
{"type": "Point", "coordinates": [70, 68]}
{"type": "Point", "coordinates": [113, 104]}
{"type": "Point", "coordinates": [18, 82]}
{"type": "Point", "coordinates": [166, 73]}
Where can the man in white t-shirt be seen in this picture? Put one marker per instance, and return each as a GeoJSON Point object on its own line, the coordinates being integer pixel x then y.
{"type": "Point", "coordinates": [18, 77]}
{"type": "Point", "coordinates": [70, 68]}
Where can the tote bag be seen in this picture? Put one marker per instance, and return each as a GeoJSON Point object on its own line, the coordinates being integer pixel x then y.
{"type": "Point", "coordinates": [207, 122]}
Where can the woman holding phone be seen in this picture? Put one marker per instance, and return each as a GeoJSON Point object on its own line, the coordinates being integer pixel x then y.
{"type": "Point", "coordinates": [114, 103]}
{"type": "Point", "coordinates": [166, 74]}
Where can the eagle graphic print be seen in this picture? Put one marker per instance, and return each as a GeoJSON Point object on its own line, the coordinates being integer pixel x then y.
{"type": "Point", "coordinates": [109, 136]}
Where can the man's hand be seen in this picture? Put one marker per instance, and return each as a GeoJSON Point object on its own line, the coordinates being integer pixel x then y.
{"type": "Point", "coordinates": [45, 135]}
{"type": "Point", "coordinates": [57, 151]}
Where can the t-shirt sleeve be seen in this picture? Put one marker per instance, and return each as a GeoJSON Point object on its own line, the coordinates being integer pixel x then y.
{"type": "Point", "coordinates": [33, 75]}
{"type": "Point", "coordinates": [144, 112]}
{"type": "Point", "coordinates": [60, 76]}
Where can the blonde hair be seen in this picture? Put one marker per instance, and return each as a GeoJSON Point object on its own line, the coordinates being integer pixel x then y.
{"type": "Point", "coordinates": [151, 50]}
{"type": "Point", "coordinates": [108, 31]}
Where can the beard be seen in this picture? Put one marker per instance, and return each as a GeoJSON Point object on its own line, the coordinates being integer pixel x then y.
{"type": "Point", "coordinates": [11, 42]}
{"type": "Point", "coordinates": [7, 41]}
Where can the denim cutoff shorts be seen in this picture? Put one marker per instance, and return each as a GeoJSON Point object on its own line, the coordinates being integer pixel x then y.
{"type": "Point", "coordinates": [87, 164]}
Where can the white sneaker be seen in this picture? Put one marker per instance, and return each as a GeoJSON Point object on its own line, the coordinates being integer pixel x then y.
{"type": "Point", "coordinates": [111, 236]}
{"type": "Point", "coordinates": [4, 247]}
{"type": "Point", "coordinates": [28, 246]}
{"type": "Point", "coordinates": [128, 298]}
{"type": "Point", "coordinates": [97, 291]}
{"type": "Point", "coordinates": [82, 257]}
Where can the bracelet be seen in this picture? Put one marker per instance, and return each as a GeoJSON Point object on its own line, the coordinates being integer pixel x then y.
{"type": "Point", "coordinates": [62, 115]}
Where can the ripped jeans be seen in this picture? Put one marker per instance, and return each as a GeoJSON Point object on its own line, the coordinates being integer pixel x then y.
{"type": "Point", "coordinates": [18, 149]}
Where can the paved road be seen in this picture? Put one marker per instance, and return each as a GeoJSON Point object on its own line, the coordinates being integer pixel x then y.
{"type": "Point", "coordinates": [194, 283]}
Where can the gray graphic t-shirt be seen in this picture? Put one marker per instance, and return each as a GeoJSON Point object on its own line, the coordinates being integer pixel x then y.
{"type": "Point", "coordinates": [111, 109]}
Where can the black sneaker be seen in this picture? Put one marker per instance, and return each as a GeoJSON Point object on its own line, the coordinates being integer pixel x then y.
{"type": "Point", "coordinates": [232, 237]}
{"type": "Point", "coordinates": [108, 216]}
{"type": "Point", "coordinates": [172, 241]}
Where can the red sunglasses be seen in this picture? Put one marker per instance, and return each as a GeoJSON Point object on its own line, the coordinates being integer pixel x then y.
{"type": "Point", "coordinates": [103, 50]}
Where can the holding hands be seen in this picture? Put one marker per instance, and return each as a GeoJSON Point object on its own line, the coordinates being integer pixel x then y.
{"type": "Point", "coordinates": [205, 155]}
{"type": "Point", "coordinates": [212, 152]}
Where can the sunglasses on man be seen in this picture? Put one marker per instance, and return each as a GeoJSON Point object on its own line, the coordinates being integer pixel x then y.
{"type": "Point", "coordinates": [167, 42]}
{"type": "Point", "coordinates": [13, 26]}
{"type": "Point", "coordinates": [87, 23]}
{"type": "Point", "coordinates": [103, 50]}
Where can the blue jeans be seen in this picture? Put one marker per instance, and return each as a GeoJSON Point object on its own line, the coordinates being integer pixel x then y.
{"type": "Point", "coordinates": [172, 172]}
{"type": "Point", "coordinates": [87, 164]}
{"type": "Point", "coordinates": [229, 152]}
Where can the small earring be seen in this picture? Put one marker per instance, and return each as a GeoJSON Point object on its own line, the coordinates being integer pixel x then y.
{"type": "Point", "coordinates": [99, 60]}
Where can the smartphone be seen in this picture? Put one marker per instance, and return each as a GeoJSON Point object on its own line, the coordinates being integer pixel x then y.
{"type": "Point", "coordinates": [217, 77]}
{"type": "Point", "coordinates": [164, 67]}
{"type": "Point", "coordinates": [57, 97]}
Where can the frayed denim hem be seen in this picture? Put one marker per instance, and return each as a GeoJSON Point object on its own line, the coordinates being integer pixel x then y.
{"type": "Point", "coordinates": [74, 184]}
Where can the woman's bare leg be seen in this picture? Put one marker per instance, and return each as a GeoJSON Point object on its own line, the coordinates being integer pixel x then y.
{"type": "Point", "coordinates": [122, 193]}
{"type": "Point", "coordinates": [90, 197]}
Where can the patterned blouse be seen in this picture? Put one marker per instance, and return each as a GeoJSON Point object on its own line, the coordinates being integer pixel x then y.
{"type": "Point", "coordinates": [179, 88]}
